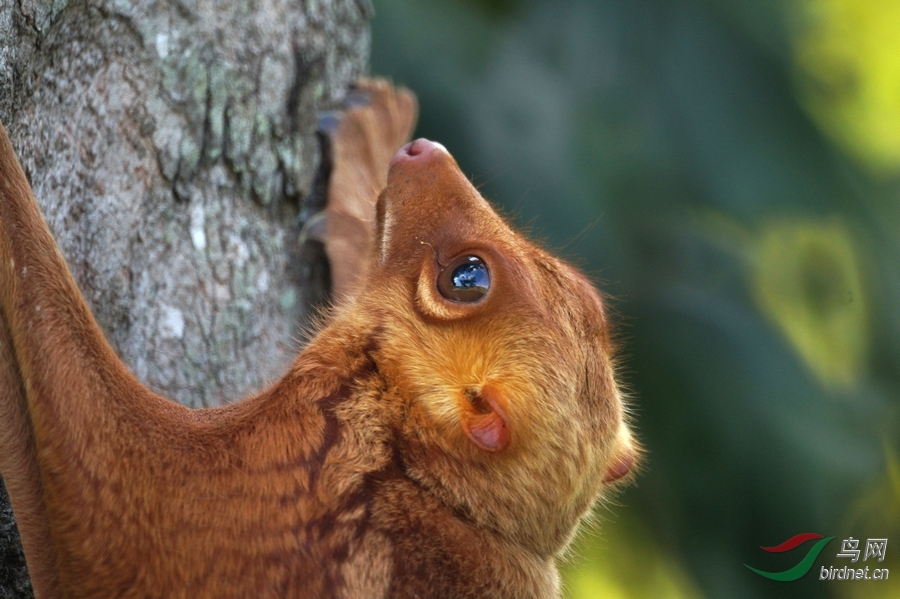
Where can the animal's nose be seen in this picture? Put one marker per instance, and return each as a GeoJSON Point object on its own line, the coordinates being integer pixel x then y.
{"type": "Point", "coordinates": [419, 150]}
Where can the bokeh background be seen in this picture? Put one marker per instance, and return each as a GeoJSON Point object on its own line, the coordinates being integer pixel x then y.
{"type": "Point", "coordinates": [729, 171]}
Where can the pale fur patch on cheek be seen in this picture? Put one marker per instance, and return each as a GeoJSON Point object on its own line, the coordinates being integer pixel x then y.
{"type": "Point", "coordinates": [452, 369]}
{"type": "Point", "coordinates": [386, 227]}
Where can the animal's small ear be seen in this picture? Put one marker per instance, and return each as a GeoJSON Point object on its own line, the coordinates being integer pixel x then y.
{"type": "Point", "coordinates": [619, 467]}
{"type": "Point", "coordinates": [484, 420]}
{"type": "Point", "coordinates": [624, 457]}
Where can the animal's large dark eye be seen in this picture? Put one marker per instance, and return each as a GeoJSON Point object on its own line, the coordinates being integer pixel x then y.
{"type": "Point", "coordinates": [466, 279]}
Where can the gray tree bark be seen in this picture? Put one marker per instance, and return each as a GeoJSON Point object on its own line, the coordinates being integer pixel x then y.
{"type": "Point", "coordinates": [172, 147]}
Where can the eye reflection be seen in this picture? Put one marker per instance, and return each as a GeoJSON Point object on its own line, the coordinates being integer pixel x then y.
{"type": "Point", "coordinates": [466, 279]}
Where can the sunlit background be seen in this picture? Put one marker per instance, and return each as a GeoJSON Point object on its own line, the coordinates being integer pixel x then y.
{"type": "Point", "coordinates": [729, 170]}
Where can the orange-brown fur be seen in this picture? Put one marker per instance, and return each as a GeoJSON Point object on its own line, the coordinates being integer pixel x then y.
{"type": "Point", "coordinates": [352, 476]}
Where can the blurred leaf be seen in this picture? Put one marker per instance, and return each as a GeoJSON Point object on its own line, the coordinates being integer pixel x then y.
{"type": "Point", "coordinates": [807, 281]}
{"type": "Point", "coordinates": [624, 562]}
{"type": "Point", "coordinates": [893, 464]}
{"type": "Point", "coordinates": [848, 56]}
{"type": "Point", "coordinates": [877, 515]}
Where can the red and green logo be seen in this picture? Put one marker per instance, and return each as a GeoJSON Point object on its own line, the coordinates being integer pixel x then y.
{"type": "Point", "coordinates": [804, 565]}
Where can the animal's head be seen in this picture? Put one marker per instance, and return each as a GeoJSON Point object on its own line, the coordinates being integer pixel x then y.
{"type": "Point", "coordinates": [499, 353]}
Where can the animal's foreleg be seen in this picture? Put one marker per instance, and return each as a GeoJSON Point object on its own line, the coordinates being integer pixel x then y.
{"type": "Point", "coordinates": [18, 463]}
{"type": "Point", "coordinates": [65, 398]}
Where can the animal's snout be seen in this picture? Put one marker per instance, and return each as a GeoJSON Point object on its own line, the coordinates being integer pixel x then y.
{"type": "Point", "coordinates": [420, 150]}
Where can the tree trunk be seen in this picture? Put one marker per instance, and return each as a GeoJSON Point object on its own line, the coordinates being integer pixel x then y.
{"type": "Point", "coordinates": [172, 147]}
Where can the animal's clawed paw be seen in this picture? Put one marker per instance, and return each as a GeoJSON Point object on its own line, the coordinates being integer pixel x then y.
{"type": "Point", "coordinates": [378, 120]}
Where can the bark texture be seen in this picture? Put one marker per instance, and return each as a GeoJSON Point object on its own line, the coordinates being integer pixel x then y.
{"type": "Point", "coordinates": [172, 147]}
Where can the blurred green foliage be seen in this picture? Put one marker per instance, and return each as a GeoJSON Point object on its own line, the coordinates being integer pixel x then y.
{"type": "Point", "coordinates": [729, 170]}
{"type": "Point", "coordinates": [846, 57]}
{"type": "Point", "coordinates": [807, 281]}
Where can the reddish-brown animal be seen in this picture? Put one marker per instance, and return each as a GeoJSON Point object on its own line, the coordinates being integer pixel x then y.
{"type": "Point", "coordinates": [442, 436]}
